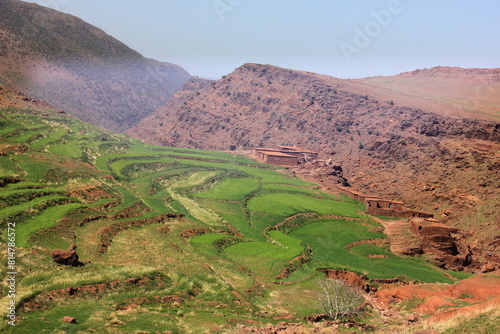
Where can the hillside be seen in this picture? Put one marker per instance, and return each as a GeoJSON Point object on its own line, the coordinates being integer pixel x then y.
{"type": "Point", "coordinates": [175, 240]}
{"type": "Point", "coordinates": [439, 164]}
{"type": "Point", "coordinates": [450, 91]}
{"type": "Point", "coordinates": [77, 67]}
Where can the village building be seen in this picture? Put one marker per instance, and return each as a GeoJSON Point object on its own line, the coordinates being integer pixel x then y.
{"type": "Point", "coordinates": [284, 155]}
{"type": "Point", "coordinates": [278, 158]}
{"type": "Point", "coordinates": [384, 204]}
{"type": "Point", "coordinates": [303, 154]}
{"type": "Point", "coordinates": [383, 207]}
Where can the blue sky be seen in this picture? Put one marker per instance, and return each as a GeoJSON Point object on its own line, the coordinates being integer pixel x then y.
{"type": "Point", "coordinates": [342, 38]}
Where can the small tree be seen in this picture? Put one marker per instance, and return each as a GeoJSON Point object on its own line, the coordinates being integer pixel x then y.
{"type": "Point", "coordinates": [338, 300]}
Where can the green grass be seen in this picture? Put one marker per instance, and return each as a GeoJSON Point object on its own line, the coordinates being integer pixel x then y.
{"type": "Point", "coordinates": [484, 323]}
{"type": "Point", "coordinates": [208, 239]}
{"type": "Point", "coordinates": [293, 189]}
{"type": "Point", "coordinates": [24, 191]}
{"type": "Point", "coordinates": [71, 149]}
{"type": "Point", "coordinates": [328, 240]}
{"type": "Point", "coordinates": [236, 189]}
{"type": "Point", "coordinates": [366, 250]}
{"type": "Point", "coordinates": [49, 321]}
{"type": "Point", "coordinates": [35, 169]}
{"type": "Point", "coordinates": [235, 214]}
{"type": "Point", "coordinates": [283, 248]}
{"type": "Point", "coordinates": [51, 137]}
{"type": "Point", "coordinates": [293, 245]}
{"type": "Point", "coordinates": [285, 204]}
{"type": "Point", "coordinates": [46, 219]}
{"type": "Point", "coordinates": [12, 210]}
{"type": "Point", "coordinates": [413, 269]}
{"type": "Point", "coordinates": [460, 275]}
{"type": "Point", "coordinates": [261, 220]}
{"type": "Point", "coordinates": [7, 166]}
{"type": "Point", "coordinates": [22, 185]}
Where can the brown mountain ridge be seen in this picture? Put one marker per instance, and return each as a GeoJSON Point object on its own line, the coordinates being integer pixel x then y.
{"type": "Point", "coordinates": [450, 91]}
{"type": "Point", "coordinates": [449, 166]}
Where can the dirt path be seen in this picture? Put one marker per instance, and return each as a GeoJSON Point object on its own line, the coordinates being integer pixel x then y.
{"type": "Point", "coordinates": [399, 234]}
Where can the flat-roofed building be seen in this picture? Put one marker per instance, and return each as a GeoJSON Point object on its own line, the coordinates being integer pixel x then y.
{"type": "Point", "coordinates": [283, 155]}
{"type": "Point", "coordinates": [278, 158]}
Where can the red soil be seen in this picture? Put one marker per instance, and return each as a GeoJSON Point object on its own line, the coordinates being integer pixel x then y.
{"type": "Point", "coordinates": [442, 301]}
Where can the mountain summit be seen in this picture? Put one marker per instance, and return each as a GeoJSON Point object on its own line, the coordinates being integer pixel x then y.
{"type": "Point", "coordinates": [77, 67]}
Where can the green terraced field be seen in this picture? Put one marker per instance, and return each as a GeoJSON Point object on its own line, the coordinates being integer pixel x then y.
{"type": "Point", "coordinates": [240, 224]}
{"type": "Point", "coordinates": [236, 189]}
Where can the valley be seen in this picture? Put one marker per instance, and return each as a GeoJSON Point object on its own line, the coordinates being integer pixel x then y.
{"type": "Point", "coordinates": [376, 144]}
{"type": "Point", "coordinates": [137, 198]}
{"type": "Point", "coordinates": [187, 236]}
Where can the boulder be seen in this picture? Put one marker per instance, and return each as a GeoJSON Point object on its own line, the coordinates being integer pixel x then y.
{"type": "Point", "coordinates": [66, 257]}
{"type": "Point", "coordinates": [71, 320]}
{"type": "Point", "coordinates": [488, 267]}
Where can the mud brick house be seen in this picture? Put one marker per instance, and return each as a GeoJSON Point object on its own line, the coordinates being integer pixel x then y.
{"type": "Point", "coordinates": [278, 158]}
{"type": "Point", "coordinates": [383, 207]}
{"type": "Point", "coordinates": [302, 154]}
{"type": "Point", "coordinates": [378, 203]}
{"type": "Point", "coordinates": [284, 155]}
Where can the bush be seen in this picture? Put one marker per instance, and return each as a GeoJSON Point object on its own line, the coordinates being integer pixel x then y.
{"type": "Point", "coordinates": [338, 300]}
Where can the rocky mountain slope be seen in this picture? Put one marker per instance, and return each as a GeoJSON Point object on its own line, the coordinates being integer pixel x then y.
{"type": "Point", "coordinates": [448, 166]}
{"type": "Point", "coordinates": [79, 68]}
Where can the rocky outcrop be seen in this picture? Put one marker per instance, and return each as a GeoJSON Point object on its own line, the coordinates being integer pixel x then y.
{"type": "Point", "coordinates": [449, 248]}
{"type": "Point", "coordinates": [438, 237]}
{"type": "Point", "coordinates": [347, 277]}
{"type": "Point", "coordinates": [66, 257]}
{"type": "Point", "coordinates": [350, 279]}
{"type": "Point", "coordinates": [472, 294]}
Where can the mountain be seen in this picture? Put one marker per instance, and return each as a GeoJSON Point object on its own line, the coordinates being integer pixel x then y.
{"type": "Point", "coordinates": [445, 165]}
{"type": "Point", "coordinates": [77, 67]}
{"type": "Point", "coordinates": [450, 91]}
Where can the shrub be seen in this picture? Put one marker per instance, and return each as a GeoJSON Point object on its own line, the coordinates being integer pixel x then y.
{"type": "Point", "coordinates": [338, 300]}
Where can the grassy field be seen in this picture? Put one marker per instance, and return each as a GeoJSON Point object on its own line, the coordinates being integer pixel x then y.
{"type": "Point", "coordinates": [238, 226]}
{"type": "Point", "coordinates": [236, 189]}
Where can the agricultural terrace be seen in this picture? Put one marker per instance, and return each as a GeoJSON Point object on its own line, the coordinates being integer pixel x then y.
{"type": "Point", "coordinates": [169, 233]}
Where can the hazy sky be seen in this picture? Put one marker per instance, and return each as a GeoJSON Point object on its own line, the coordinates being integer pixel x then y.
{"type": "Point", "coordinates": [342, 38]}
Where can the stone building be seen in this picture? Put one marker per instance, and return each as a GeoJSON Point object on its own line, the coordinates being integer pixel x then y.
{"type": "Point", "coordinates": [284, 155]}
{"type": "Point", "coordinates": [378, 203]}
{"type": "Point", "coordinates": [303, 154]}
{"type": "Point", "coordinates": [278, 158]}
{"type": "Point", "coordinates": [383, 207]}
